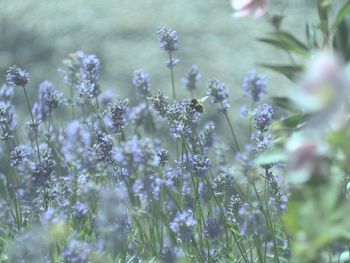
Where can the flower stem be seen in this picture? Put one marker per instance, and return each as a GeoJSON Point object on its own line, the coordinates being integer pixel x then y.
{"type": "Point", "coordinates": [172, 74]}
{"type": "Point", "coordinates": [33, 123]}
{"type": "Point", "coordinates": [232, 131]}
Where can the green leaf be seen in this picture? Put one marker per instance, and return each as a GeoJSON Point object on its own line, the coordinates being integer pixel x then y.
{"type": "Point", "coordinates": [291, 72]}
{"type": "Point", "coordinates": [343, 12]}
{"type": "Point", "coordinates": [341, 41]}
{"type": "Point", "coordinates": [294, 121]}
{"type": "Point", "coordinates": [311, 35]}
{"type": "Point", "coordinates": [285, 103]}
{"type": "Point", "coordinates": [286, 41]}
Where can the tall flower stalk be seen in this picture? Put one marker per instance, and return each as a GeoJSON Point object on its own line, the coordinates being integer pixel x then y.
{"type": "Point", "coordinates": [18, 77]}
{"type": "Point", "coordinates": [168, 40]}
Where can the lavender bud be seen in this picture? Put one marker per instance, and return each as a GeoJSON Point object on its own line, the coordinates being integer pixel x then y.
{"type": "Point", "coordinates": [160, 103]}
{"type": "Point", "coordinates": [103, 147]}
{"type": "Point", "coordinates": [7, 92]}
{"type": "Point", "coordinates": [141, 82]}
{"type": "Point", "coordinates": [118, 115]}
{"type": "Point", "coordinates": [20, 154]}
{"type": "Point", "coordinates": [163, 157]}
{"type": "Point", "coordinates": [168, 39]}
{"type": "Point", "coordinates": [183, 224]}
{"type": "Point", "coordinates": [76, 252]}
{"type": "Point", "coordinates": [263, 117]}
{"type": "Point", "coordinates": [7, 116]}
{"type": "Point", "coordinates": [254, 86]}
{"type": "Point", "coordinates": [191, 78]}
{"type": "Point", "coordinates": [201, 165]}
{"type": "Point", "coordinates": [219, 94]}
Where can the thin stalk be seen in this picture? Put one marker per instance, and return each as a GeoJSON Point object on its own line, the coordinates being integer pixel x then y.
{"type": "Point", "coordinates": [172, 74]}
{"type": "Point", "coordinates": [72, 97]}
{"type": "Point", "coordinates": [232, 131]}
{"type": "Point", "coordinates": [33, 123]}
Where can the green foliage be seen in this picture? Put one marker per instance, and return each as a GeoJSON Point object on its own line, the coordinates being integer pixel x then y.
{"type": "Point", "coordinates": [343, 13]}
{"type": "Point", "coordinates": [287, 42]}
{"type": "Point", "coordinates": [294, 121]}
{"type": "Point", "coordinates": [290, 71]}
{"type": "Point", "coordinates": [315, 218]}
{"type": "Point", "coordinates": [341, 40]}
{"type": "Point", "coordinates": [285, 103]}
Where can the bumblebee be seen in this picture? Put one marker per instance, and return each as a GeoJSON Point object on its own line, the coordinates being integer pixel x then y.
{"type": "Point", "coordinates": [196, 104]}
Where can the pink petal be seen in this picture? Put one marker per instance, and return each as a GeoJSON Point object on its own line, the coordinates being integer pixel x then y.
{"type": "Point", "coordinates": [241, 13]}
{"type": "Point", "coordinates": [239, 4]}
{"type": "Point", "coordinates": [260, 11]}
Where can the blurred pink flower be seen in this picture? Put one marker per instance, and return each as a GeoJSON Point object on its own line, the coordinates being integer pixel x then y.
{"type": "Point", "coordinates": [323, 90]}
{"type": "Point", "coordinates": [306, 157]}
{"type": "Point", "coordinates": [245, 7]}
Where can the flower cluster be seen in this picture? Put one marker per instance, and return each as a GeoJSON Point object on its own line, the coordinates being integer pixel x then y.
{"type": "Point", "coordinates": [99, 178]}
{"type": "Point", "coordinates": [218, 93]}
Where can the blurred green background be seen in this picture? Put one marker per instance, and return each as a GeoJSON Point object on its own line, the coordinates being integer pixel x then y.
{"type": "Point", "coordinates": [38, 34]}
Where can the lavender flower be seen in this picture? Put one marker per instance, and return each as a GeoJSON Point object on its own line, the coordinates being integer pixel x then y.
{"type": "Point", "coordinates": [168, 39]}
{"type": "Point", "coordinates": [81, 210]}
{"type": "Point", "coordinates": [141, 115]}
{"type": "Point", "coordinates": [136, 154]}
{"type": "Point", "coordinates": [183, 117]}
{"type": "Point", "coordinates": [191, 78]}
{"type": "Point", "coordinates": [163, 156]}
{"type": "Point", "coordinates": [90, 73]}
{"type": "Point", "coordinates": [160, 103]}
{"type": "Point", "coordinates": [7, 116]}
{"type": "Point", "coordinates": [219, 94]}
{"type": "Point", "coordinates": [278, 199]}
{"type": "Point", "coordinates": [118, 115]}
{"type": "Point", "coordinates": [223, 184]}
{"type": "Point", "coordinates": [107, 98]}
{"type": "Point", "coordinates": [235, 205]}
{"type": "Point", "coordinates": [71, 71]}
{"type": "Point", "coordinates": [49, 98]}
{"type": "Point", "coordinates": [246, 158]}
{"type": "Point", "coordinates": [172, 62]}
{"type": "Point", "coordinates": [212, 228]}
{"type": "Point", "coordinates": [76, 252]}
{"type": "Point", "coordinates": [207, 135]}
{"type": "Point", "coordinates": [244, 111]}
{"type": "Point", "coordinates": [141, 82]}
{"type": "Point", "coordinates": [91, 68]}
{"type": "Point", "coordinates": [76, 144]}
{"type": "Point", "coordinates": [200, 165]}
{"type": "Point", "coordinates": [114, 224]}
{"type": "Point", "coordinates": [6, 93]}
{"type": "Point", "coordinates": [177, 129]}
{"type": "Point", "coordinates": [52, 217]}
{"type": "Point", "coordinates": [84, 94]}
{"type": "Point", "coordinates": [17, 77]}
{"type": "Point", "coordinates": [263, 117]}
{"type": "Point", "coordinates": [182, 225]}
{"type": "Point", "coordinates": [263, 143]}
{"type": "Point", "coordinates": [250, 214]}
{"type": "Point", "coordinates": [103, 147]}
{"type": "Point", "coordinates": [171, 254]}
{"type": "Point", "coordinates": [254, 86]}
{"type": "Point", "coordinates": [20, 154]}
{"type": "Point", "coordinates": [43, 171]}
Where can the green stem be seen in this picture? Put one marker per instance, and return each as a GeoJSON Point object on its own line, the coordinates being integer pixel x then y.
{"type": "Point", "coordinates": [232, 131]}
{"type": "Point", "coordinates": [72, 98]}
{"type": "Point", "coordinates": [172, 74]}
{"type": "Point", "coordinates": [33, 123]}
